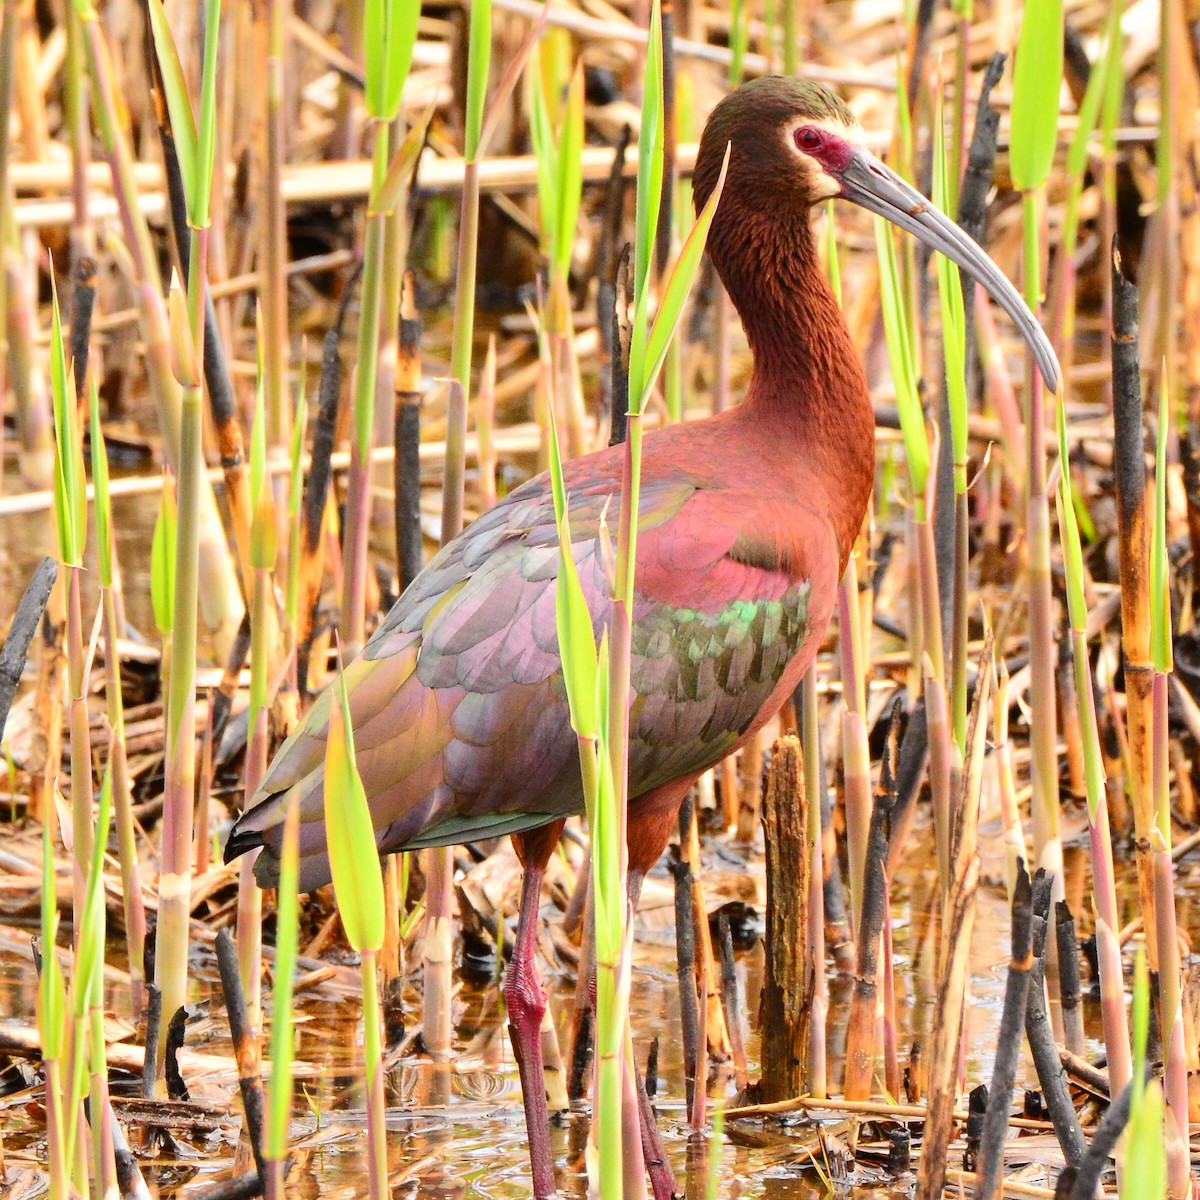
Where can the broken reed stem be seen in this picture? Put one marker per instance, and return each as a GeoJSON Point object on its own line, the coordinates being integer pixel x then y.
{"type": "Point", "coordinates": [21, 630]}
{"type": "Point", "coordinates": [1050, 1072]}
{"type": "Point", "coordinates": [783, 1007]}
{"type": "Point", "coordinates": [1008, 1043]}
{"type": "Point", "coordinates": [245, 1048]}
{"type": "Point", "coordinates": [1068, 977]}
{"type": "Point", "coordinates": [1129, 475]}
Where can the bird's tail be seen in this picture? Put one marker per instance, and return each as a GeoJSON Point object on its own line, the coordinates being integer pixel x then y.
{"type": "Point", "coordinates": [261, 828]}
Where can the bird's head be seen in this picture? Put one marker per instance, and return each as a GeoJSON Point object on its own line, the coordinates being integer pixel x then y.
{"type": "Point", "coordinates": [793, 144]}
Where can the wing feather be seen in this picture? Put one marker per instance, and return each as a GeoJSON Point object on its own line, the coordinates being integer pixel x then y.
{"type": "Point", "coordinates": [457, 700]}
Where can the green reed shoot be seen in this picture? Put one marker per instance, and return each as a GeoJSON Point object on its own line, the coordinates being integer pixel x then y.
{"type": "Point", "coordinates": [131, 875]}
{"type": "Point", "coordinates": [1108, 62]}
{"type": "Point", "coordinates": [1175, 1073]}
{"type": "Point", "coordinates": [1037, 78]}
{"type": "Point", "coordinates": [1108, 950]}
{"type": "Point", "coordinates": [220, 601]}
{"type": "Point", "coordinates": [358, 887]}
{"type": "Point", "coordinates": [390, 32]}
{"type": "Point", "coordinates": [586, 678]}
{"type": "Point", "coordinates": [1145, 1174]}
{"type": "Point", "coordinates": [954, 349]}
{"type": "Point", "coordinates": [598, 679]}
{"type": "Point", "coordinates": [87, 1010]}
{"type": "Point", "coordinates": [739, 38]}
{"type": "Point", "coordinates": [52, 1024]}
{"type": "Point", "coordinates": [898, 335]}
{"type": "Point", "coordinates": [197, 136]}
{"type": "Point", "coordinates": [287, 933]}
{"type": "Point", "coordinates": [70, 514]}
{"type": "Point", "coordinates": [559, 153]}
{"type": "Point", "coordinates": [1036, 84]}
{"type": "Point", "coordinates": [162, 565]}
{"type": "Point", "coordinates": [856, 754]}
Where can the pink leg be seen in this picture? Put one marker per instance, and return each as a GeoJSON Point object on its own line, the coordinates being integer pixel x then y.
{"type": "Point", "coordinates": [526, 1003]}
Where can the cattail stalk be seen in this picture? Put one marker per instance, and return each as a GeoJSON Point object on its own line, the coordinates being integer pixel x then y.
{"type": "Point", "coordinates": [1133, 545]}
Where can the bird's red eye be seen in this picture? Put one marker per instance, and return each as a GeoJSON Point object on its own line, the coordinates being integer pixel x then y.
{"type": "Point", "coordinates": [808, 138]}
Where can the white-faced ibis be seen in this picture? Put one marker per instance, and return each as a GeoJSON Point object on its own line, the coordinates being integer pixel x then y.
{"type": "Point", "coordinates": [745, 524]}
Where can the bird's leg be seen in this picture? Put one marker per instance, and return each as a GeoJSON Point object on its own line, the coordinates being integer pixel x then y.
{"type": "Point", "coordinates": [525, 1000]}
{"type": "Point", "coordinates": [662, 1178]}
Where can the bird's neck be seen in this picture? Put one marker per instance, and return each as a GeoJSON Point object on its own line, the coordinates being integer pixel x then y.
{"type": "Point", "coordinates": [808, 393]}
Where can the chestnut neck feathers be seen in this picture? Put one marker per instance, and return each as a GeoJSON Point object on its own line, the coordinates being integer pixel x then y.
{"type": "Point", "coordinates": [808, 389]}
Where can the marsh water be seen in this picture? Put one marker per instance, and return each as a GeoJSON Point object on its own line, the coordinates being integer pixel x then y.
{"type": "Point", "coordinates": [456, 1129]}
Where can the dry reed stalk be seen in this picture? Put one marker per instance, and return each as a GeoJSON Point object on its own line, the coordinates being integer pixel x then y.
{"type": "Point", "coordinates": [272, 19]}
{"type": "Point", "coordinates": [34, 423]}
{"type": "Point", "coordinates": [485, 424]}
{"type": "Point", "coordinates": [860, 1029]}
{"type": "Point", "coordinates": [1015, 852]}
{"type": "Point", "coordinates": [439, 862]}
{"type": "Point", "coordinates": [30, 106]}
{"type": "Point", "coordinates": [783, 1008]}
{"type": "Point", "coordinates": [750, 765]}
{"type": "Point", "coordinates": [707, 977]}
{"type": "Point", "coordinates": [856, 757]}
{"type": "Point", "coordinates": [815, 983]}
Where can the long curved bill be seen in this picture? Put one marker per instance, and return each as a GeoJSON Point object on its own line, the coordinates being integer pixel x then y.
{"type": "Point", "coordinates": [877, 188]}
